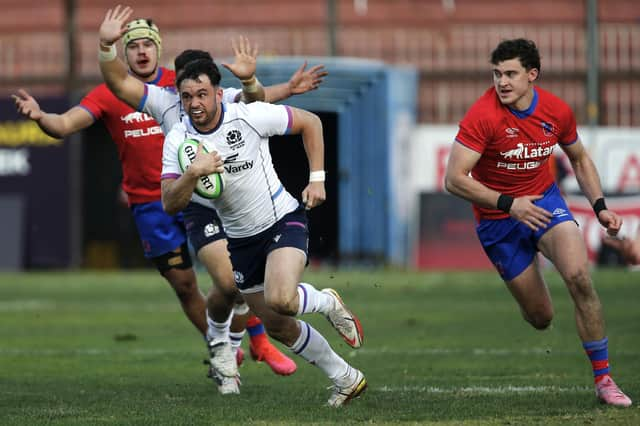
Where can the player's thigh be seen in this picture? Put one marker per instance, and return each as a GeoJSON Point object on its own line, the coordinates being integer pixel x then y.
{"type": "Point", "coordinates": [530, 291]}
{"type": "Point", "coordinates": [283, 272]}
{"type": "Point", "coordinates": [215, 257]}
{"type": "Point", "coordinates": [564, 246]}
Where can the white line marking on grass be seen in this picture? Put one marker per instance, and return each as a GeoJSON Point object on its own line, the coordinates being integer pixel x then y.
{"type": "Point", "coordinates": [89, 352]}
{"type": "Point", "coordinates": [473, 351]}
{"type": "Point", "coordinates": [485, 390]}
{"type": "Point", "coordinates": [26, 305]}
{"type": "Point", "coordinates": [351, 354]}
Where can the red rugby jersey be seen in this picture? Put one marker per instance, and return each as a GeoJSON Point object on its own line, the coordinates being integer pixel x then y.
{"type": "Point", "coordinates": [515, 145]}
{"type": "Point", "coordinates": [137, 136]}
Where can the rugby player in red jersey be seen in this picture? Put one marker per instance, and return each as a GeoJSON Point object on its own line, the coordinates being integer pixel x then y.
{"type": "Point", "coordinates": [499, 163]}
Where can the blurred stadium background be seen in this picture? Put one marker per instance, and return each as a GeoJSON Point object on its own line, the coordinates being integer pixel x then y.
{"type": "Point", "coordinates": [402, 74]}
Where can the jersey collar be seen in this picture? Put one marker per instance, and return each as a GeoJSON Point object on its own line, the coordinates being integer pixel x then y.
{"type": "Point", "coordinates": [155, 80]}
{"type": "Point", "coordinates": [158, 77]}
{"type": "Point", "coordinates": [223, 109]}
{"type": "Point", "coordinates": [527, 112]}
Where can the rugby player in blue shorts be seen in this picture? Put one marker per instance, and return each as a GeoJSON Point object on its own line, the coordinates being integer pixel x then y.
{"type": "Point", "coordinates": [499, 162]}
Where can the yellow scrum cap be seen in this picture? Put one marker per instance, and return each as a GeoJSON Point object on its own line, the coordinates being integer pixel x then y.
{"type": "Point", "coordinates": [143, 28]}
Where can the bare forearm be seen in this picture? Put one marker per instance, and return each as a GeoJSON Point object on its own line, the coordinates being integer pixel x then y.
{"type": "Point", "coordinates": [126, 87]}
{"type": "Point", "coordinates": [54, 125]}
{"type": "Point", "coordinates": [588, 178]}
{"type": "Point", "coordinates": [313, 143]}
{"type": "Point", "coordinates": [177, 193]}
{"type": "Point", "coordinates": [114, 73]}
{"type": "Point", "coordinates": [277, 92]}
{"type": "Point", "coordinates": [471, 190]}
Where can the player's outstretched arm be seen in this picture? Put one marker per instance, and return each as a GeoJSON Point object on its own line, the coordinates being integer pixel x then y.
{"type": "Point", "coordinates": [114, 71]}
{"type": "Point", "coordinates": [54, 125]}
{"type": "Point", "coordinates": [589, 182]}
{"type": "Point", "coordinates": [302, 80]}
{"type": "Point", "coordinates": [309, 126]}
{"type": "Point", "coordinates": [244, 68]}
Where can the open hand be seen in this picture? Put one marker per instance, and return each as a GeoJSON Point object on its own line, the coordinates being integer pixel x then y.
{"type": "Point", "coordinates": [244, 65]}
{"type": "Point", "coordinates": [27, 106]}
{"type": "Point", "coordinates": [114, 24]}
{"type": "Point", "coordinates": [303, 80]}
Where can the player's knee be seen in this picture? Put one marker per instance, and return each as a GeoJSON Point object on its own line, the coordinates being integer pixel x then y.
{"type": "Point", "coordinates": [540, 320]}
{"type": "Point", "coordinates": [184, 286]}
{"type": "Point", "coordinates": [579, 277]}
{"type": "Point", "coordinates": [282, 304]}
{"type": "Point", "coordinates": [580, 286]}
{"type": "Point", "coordinates": [225, 283]}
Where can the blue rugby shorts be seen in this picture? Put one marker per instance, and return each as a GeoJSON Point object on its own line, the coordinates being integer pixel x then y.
{"type": "Point", "coordinates": [203, 225]}
{"type": "Point", "coordinates": [249, 255]}
{"type": "Point", "coordinates": [511, 245]}
{"type": "Point", "coordinates": [159, 232]}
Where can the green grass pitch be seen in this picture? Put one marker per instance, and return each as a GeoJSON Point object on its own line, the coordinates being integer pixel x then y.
{"type": "Point", "coordinates": [93, 348]}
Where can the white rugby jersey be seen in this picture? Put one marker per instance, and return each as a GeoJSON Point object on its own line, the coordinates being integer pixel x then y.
{"type": "Point", "coordinates": [253, 198]}
{"type": "Point", "coordinates": [163, 104]}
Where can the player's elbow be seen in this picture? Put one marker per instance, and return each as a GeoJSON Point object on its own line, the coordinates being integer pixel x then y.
{"type": "Point", "coordinates": [315, 121]}
{"type": "Point", "coordinates": [450, 183]}
{"type": "Point", "coordinates": [167, 207]}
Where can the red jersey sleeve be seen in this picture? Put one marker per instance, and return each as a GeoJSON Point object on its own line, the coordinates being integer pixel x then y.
{"type": "Point", "coordinates": [96, 102]}
{"type": "Point", "coordinates": [476, 128]}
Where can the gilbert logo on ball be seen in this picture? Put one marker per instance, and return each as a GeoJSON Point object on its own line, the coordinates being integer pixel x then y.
{"type": "Point", "coordinates": [209, 186]}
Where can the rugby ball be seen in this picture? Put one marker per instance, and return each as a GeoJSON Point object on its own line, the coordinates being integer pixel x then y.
{"type": "Point", "coordinates": [209, 186]}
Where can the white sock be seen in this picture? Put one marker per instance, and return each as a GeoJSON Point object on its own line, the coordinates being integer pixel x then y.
{"type": "Point", "coordinates": [314, 348]}
{"type": "Point", "coordinates": [236, 339]}
{"type": "Point", "coordinates": [218, 330]}
{"type": "Point", "coordinates": [311, 300]}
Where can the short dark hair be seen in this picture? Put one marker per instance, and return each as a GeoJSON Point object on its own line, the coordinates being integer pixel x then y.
{"type": "Point", "coordinates": [195, 69]}
{"type": "Point", "coordinates": [520, 48]}
{"type": "Point", "coordinates": [189, 55]}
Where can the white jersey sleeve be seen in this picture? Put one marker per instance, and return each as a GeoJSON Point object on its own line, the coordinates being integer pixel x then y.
{"type": "Point", "coordinates": [170, 162]}
{"type": "Point", "coordinates": [268, 119]}
{"type": "Point", "coordinates": [230, 94]}
{"type": "Point", "coordinates": [163, 104]}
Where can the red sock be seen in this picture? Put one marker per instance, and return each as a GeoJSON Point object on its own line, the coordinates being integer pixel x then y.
{"type": "Point", "coordinates": [255, 327]}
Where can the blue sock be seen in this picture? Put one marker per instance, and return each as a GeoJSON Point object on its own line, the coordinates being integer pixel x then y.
{"type": "Point", "coordinates": [255, 327]}
{"type": "Point", "coordinates": [598, 354]}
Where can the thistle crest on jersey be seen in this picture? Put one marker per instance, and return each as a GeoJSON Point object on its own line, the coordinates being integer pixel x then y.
{"type": "Point", "coordinates": [209, 186]}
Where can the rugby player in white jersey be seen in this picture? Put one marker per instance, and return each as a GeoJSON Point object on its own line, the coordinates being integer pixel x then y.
{"type": "Point", "coordinates": [266, 226]}
{"type": "Point", "coordinates": [203, 228]}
